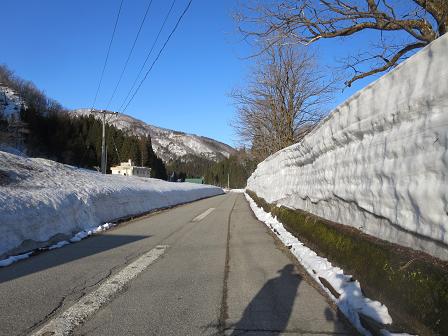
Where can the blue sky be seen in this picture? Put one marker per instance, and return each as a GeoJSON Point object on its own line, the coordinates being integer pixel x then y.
{"type": "Point", "coordinates": [61, 46]}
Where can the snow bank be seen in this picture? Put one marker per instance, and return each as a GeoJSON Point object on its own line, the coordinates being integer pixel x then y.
{"type": "Point", "coordinates": [379, 161]}
{"type": "Point", "coordinates": [41, 198]}
{"type": "Point", "coordinates": [351, 301]}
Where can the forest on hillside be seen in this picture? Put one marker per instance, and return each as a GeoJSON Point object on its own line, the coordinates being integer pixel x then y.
{"type": "Point", "coordinates": [236, 169]}
{"type": "Point", "coordinates": [77, 141]}
{"type": "Point", "coordinates": [48, 130]}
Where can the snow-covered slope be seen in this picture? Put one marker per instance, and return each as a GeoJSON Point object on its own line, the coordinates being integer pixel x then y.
{"type": "Point", "coordinates": [379, 161]}
{"type": "Point", "coordinates": [41, 198]}
{"type": "Point", "coordinates": [10, 102]}
{"type": "Point", "coordinates": [168, 144]}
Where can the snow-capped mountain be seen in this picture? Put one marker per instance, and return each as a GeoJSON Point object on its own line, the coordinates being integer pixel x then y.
{"type": "Point", "coordinates": [10, 102]}
{"type": "Point", "coordinates": [170, 145]}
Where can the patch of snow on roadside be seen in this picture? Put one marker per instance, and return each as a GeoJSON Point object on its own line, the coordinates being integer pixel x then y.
{"type": "Point", "coordinates": [12, 259]}
{"type": "Point", "coordinates": [240, 191]}
{"type": "Point", "coordinates": [58, 245]}
{"type": "Point", "coordinates": [76, 238]}
{"type": "Point", "coordinates": [351, 301]}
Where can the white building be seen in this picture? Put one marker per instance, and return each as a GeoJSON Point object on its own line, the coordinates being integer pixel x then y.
{"type": "Point", "coordinates": [128, 169]}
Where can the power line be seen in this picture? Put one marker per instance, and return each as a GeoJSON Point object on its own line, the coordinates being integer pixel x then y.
{"type": "Point", "coordinates": [107, 55]}
{"type": "Point", "coordinates": [130, 54]}
{"type": "Point", "coordinates": [160, 52]}
{"type": "Point", "coordinates": [147, 57]}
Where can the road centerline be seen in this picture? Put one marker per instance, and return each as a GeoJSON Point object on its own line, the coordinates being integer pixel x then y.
{"type": "Point", "coordinates": [203, 215]}
{"type": "Point", "coordinates": [89, 304]}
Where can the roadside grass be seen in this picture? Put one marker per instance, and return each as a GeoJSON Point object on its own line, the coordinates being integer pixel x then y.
{"type": "Point", "coordinates": [412, 284]}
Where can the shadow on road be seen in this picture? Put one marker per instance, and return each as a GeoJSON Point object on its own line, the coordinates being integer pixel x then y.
{"type": "Point", "coordinates": [270, 309]}
{"type": "Point", "coordinates": [49, 259]}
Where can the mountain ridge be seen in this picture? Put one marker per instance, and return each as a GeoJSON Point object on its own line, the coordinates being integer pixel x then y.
{"type": "Point", "coordinates": [169, 145]}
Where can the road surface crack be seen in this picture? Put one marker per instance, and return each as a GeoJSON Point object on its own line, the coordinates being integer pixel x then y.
{"type": "Point", "coordinates": [224, 307]}
{"type": "Point", "coordinates": [75, 293]}
{"type": "Point", "coordinates": [46, 317]}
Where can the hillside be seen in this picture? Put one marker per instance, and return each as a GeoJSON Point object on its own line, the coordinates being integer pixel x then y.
{"type": "Point", "coordinates": [33, 124]}
{"type": "Point", "coordinates": [168, 144]}
{"type": "Point", "coordinates": [10, 101]}
{"type": "Point", "coordinates": [46, 127]}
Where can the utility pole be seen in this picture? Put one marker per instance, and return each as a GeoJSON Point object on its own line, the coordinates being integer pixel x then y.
{"type": "Point", "coordinates": [228, 180]}
{"type": "Point", "coordinates": [103, 145]}
{"type": "Point", "coordinates": [103, 139]}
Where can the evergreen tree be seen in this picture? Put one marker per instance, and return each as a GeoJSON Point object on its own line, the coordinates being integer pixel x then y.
{"type": "Point", "coordinates": [55, 134]}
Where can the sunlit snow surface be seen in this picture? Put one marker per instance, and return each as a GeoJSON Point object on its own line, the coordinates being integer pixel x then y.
{"type": "Point", "coordinates": [379, 161]}
{"type": "Point", "coordinates": [351, 300]}
{"type": "Point", "coordinates": [41, 198]}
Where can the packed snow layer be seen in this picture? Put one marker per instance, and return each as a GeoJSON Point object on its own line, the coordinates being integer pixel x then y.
{"type": "Point", "coordinates": [41, 198]}
{"type": "Point", "coordinates": [351, 301]}
{"type": "Point", "coordinates": [379, 161]}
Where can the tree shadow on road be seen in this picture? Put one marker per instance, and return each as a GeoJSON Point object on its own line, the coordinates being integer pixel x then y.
{"type": "Point", "coordinates": [49, 259]}
{"type": "Point", "coordinates": [270, 310]}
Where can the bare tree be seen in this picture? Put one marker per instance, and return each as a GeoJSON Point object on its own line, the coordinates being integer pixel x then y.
{"type": "Point", "coordinates": [283, 100]}
{"type": "Point", "coordinates": [419, 22]}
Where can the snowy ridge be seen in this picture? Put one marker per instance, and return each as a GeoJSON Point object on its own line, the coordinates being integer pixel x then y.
{"type": "Point", "coordinates": [10, 102]}
{"type": "Point", "coordinates": [168, 144]}
{"type": "Point", "coordinates": [40, 199]}
{"type": "Point", "coordinates": [351, 300]}
{"type": "Point", "coordinates": [379, 161]}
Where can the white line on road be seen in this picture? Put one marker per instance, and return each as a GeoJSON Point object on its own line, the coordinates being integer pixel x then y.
{"type": "Point", "coordinates": [88, 305]}
{"type": "Point", "coordinates": [203, 215]}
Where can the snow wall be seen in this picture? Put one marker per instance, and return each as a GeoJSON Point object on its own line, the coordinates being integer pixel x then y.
{"type": "Point", "coordinates": [379, 161]}
{"type": "Point", "coordinates": [40, 199]}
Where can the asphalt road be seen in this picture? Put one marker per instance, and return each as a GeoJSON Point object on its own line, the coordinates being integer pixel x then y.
{"type": "Point", "coordinates": [218, 271]}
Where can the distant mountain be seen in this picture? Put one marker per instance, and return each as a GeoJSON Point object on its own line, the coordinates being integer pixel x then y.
{"type": "Point", "coordinates": [170, 145]}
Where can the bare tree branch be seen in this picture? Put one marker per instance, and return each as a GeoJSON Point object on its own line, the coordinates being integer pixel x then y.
{"type": "Point", "coordinates": [283, 100]}
{"type": "Point", "coordinates": [307, 21]}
